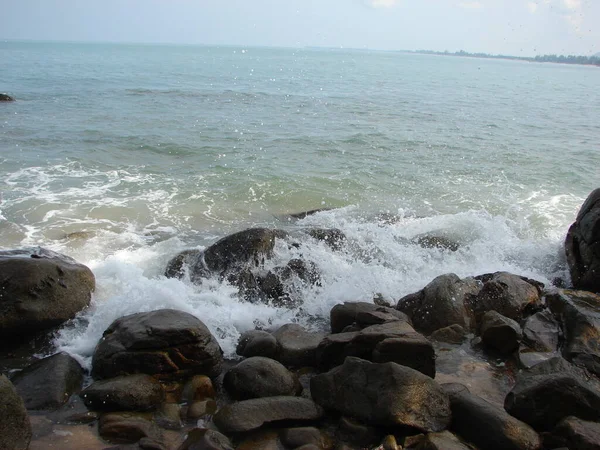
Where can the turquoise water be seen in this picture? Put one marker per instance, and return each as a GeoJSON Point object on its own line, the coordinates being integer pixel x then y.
{"type": "Point", "coordinates": [123, 155]}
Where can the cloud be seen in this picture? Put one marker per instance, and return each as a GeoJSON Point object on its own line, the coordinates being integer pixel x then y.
{"type": "Point", "coordinates": [471, 5]}
{"type": "Point", "coordinates": [572, 4]}
{"type": "Point", "coordinates": [532, 6]}
{"type": "Point", "coordinates": [382, 3]}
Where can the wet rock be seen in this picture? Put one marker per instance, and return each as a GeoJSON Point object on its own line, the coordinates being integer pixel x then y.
{"type": "Point", "coordinates": [6, 98]}
{"type": "Point", "coordinates": [205, 439]}
{"type": "Point", "coordinates": [488, 426]}
{"type": "Point", "coordinates": [443, 440]}
{"type": "Point", "coordinates": [40, 289]}
{"type": "Point", "coordinates": [168, 416]}
{"type": "Point", "coordinates": [306, 271]}
{"type": "Point", "coordinates": [49, 382]}
{"type": "Point", "coordinates": [440, 242]}
{"type": "Point", "coordinates": [166, 342]}
{"type": "Point", "coordinates": [357, 433]}
{"type": "Point", "coordinates": [579, 312]}
{"type": "Point", "coordinates": [385, 394]}
{"type": "Point", "coordinates": [305, 214]}
{"type": "Point", "coordinates": [333, 237]}
{"type": "Point", "coordinates": [126, 428]}
{"type": "Point", "coordinates": [574, 433]}
{"type": "Point", "coordinates": [500, 333]}
{"type": "Point", "coordinates": [177, 267]}
{"type": "Point", "coordinates": [582, 245]}
{"type": "Point", "coordinates": [297, 437]}
{"type": "Point", "coordinates": [251, 414]}
{"type": "Point", "coordinates": [198, 388]}
{"type": "Point", "coordinates": [389, 443]}
{"type": "Point", "coordinates": [260, 377]}
{"type": "Point", "coordinates": [453, 334]}
{"type": "Point", "coordinates": [126, 393]}
{"type": "Point", "coordinates": [257, 343]}
{"type": "Point", "coordinates": [15, 429]}
{"type": "Point", "coordinates": [441, 303]}
{"type": "Point", "coordinates": [297, 347]}
{"type": "Point", "coordinates": [198, 409]}
{"type": "Point", "coordinates": [363, 314]}
{"type": "Point", "coordinates": [512, 296]}
{"type": "Point", "coordinates": [412, 350]}
{"type": "Point", "coordinates": [261, 440]}
{"type": "Point", "coordinates": [528, 358]}
{"type": "Point", "coordinates": [541, 332]}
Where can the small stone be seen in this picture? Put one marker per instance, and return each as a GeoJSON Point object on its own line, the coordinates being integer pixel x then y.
{"type": "Point", "coordinates": [500, 333]}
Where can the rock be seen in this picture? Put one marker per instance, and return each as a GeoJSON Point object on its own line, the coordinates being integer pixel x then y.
{"type": "Point", "coordinates": [440, 242]}
{"type": "Point", "coordinates": [489, 427]}
{"type": "Point", "coordinates": [305, 214]}
{"type": "Point", "coordinates": [441, 303]}
{"type": "Point", "coordinates": [177, 267]}
{"type": "Point", "coordinates": [443, 440]}
{"type": "Point", "coordinates": [541, 332]}
{"type": "Point", "coordinates": [453, 334]}
{"type": "Point", "coordinates": [580, 315]}
{"type": "Point", "coordinates": [389, 443]}
{"type": "Point", "coordinates": [198, 388]}
{"type": "Point", "coordinates": [574, 433]}
{"type": "Point", "coordinates": [40, 289]}
{"type": "Point", "coordinates": [168, 416]}
{"type": "Point", "coordinates": [167, 343]}
{"type": "Point", "coordinates": [357, 433]}
{"type": "Point", "coordinates": [251, 414]}
{"type": "Point", "coordinates": [15, 429]}
{"type": "Point", "coordinates": [362, 313]}
{"type": "Point", "coordinates": [126, 428]}
{"type": "Point", "coordinates": [582, 245]}
{"type": "Point", "coordinates": [550, 392]}
{"type": "Point", "coordinates": [198, 409]}
{"type": "Point", "coordinates": [126, 393]}
{"type": "Point", "coordinates": [297, 437]}
{"type": "Point", "coordinates": [500, 333]}
{"type": "Point", "coordinates": [528, 358]}
{"type": "Point", "coordinates": [205, 439]}
{"type": "Point", "coordinates": [385, 394]}
{"type": "Point", "coordinates": [512, 296]}
{"type": "Point", "coordinates": [333, 237]}
{"type": "Point", "coordinates": [412, 350]}
{"type": "Point", "coordinates": [306, 271]}
{"type": "Point", "coordinates": [261, 440]}
{"type": "Point", "coordinates": [49, 382]}
{"type": "Point", "coordinates": [6, 98]}
{"type": "Point", "coordinates": [297, 347]}
{"type": "Point", "coordinates": [260, 377]}
{"type": "Point", "coordinates": [257, 343]}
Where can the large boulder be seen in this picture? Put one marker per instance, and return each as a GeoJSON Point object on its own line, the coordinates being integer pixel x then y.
{"type": "Point", "coordinates": [6, 98]}
{"type": "Point", "coordinates": [362, 314]}
{"type": "Point", "coordinates": [251, 414]}
{"type": "Point", "coordinates": [15, 429]}
{"type": "Point", "coordinates": [296, 346]}
{"type": "Point", "coordinates": [138, 392]}
{"type": "Point", "coordinates": [49, 382]}
{"type": "Point", "coordinates": [574, 433]}
{"type": "Point", "coordinates": [500, 333]}
{"type": "Point", "coordinates": [582, 245]}
{"type": "Point", "coordinates": [441, 303]}
{"type": "Point", "coordinates": [260, 377]}
{"type": "Point", "coordinates": [166, 343]}
{"type": "Point", "coordinates": [40, 289]}
{"type": "Point", "coordinates": [386, 394]}
{"type": "Point", "coordinates": [541, 332]}
{"type": "Point", "coordinates": [257, 343]}
{"type": "Point", "coordinates": [579, 312]}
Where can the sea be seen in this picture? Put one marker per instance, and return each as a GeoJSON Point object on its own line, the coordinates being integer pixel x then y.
{"type": "Point", "coordinates": [121, 156]}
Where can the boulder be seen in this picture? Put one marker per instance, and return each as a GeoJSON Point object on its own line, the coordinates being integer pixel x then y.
{"type": "Point", "coordinates": [6, 98]}
{"type": "Point", "coordinates": [198, 388]}
{"type": "Point", "coordinates": [582, 245]}
{"type": "Point", "coordinates": [305, 214]}
{"type": "Point", "coordinates": [574, 433]}
{"type": "Point", "coordinates": [177, 267]}
{"type": "Point", "coordinates": [205, 439]}
{"type": "Point", "coordinates": [441, 303]}
{"type": "Point", "coordinates": [363, 314]}
{"type": "Point", "coordinates": [453, 334]}
{"type": "Point", "coordinates": [126, 428]}
{"type": "Point", "coordinates": [512, 296]}
{"type": "Point", "coordinates": [257, 343]}
{"type": "Point", "coordinates": [443, 440]}
{"type": "Point", "coordinates": [252, 414]}
{"type": "Point", "coordinates": [40, 289]}
{"type": "Point", "coordinates": [260, 377]}
{"type": "Point", "coordinates": [49, 382]}
{"type": "Point", "coordinates": [333, 237]}
{"type": "Point", "coordinates": [297, 347]}
{"type": "Point", "coordinates": [357, 433]}
{"type": "Point", "coordinates": [579, 312]}
{"type": "Point", "coordinates": [488, 426]}
{"type": "Point", "coordinates": [138, 392]}
{"type": "Point", "coordinates": [166, 343]}
{"type": "Point", "coordinates": [500, 333]}
{"type": "Point", "coordinates": [386, 394]}
{"type": "Point", "coordinates": [439, 242]}
{"type": "Point", "coordinates": [297, 437]}
{"type": "Point", "coordinates": [541, 332]}
{"type": "Point", "coordinates": [15, 429]}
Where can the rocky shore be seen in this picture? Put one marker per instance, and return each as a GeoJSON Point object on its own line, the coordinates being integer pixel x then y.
{"type": "Point", "coordinates": [493, 361]}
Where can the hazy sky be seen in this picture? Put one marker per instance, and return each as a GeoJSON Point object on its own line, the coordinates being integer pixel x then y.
{"type": "Point", "coordinates": [518, 27]}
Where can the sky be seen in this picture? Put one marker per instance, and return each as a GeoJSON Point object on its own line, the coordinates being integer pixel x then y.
{"type": "Point", "coordinates": [510, 27]}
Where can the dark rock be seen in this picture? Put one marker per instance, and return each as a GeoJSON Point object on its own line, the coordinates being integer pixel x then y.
{"type": "Point", "coordinates": [528, 358]}
{"type": "Point", "coordinates": [488, 426]}
{"type": "Point", "coordinates": [357, 433]}
{"type": "Point", "coordinates": [453, 334]}
{"type": "Point", "coordinates": [333, 237]}
{"type": "Point", "coordinates": [362, 313]}
{"type": "Point", "coordinates": [261, 440]}
{"type": "Point", "coordinates": [198, 409]}
{"type": "Point", "coordinates": [575, 434]}
{"type": "Point", "coordinates": [305, 214]}
{"type": "Point", "coordinates": [441, 242]}
{"type": "Point", "coordinates": [176, 267]}
{"type": "Point", "coordinates": [306, 271]}
{"type": "Point", "coordinates": [443, 440]}
{"type": "Point", "coordinates": [260, 377]}
{"type": "Point", "coordinates": [297, 437]}
{"type": "Point", "coordinates": [580, 315]}
{"type": "Point", "coordinates": [251, 414]}
{"type": "Point", "coordinates": [6, 98]}
{"type": "Point", "coordinates": [126, 428]}
{"type": "Point", "coordinates": [205, 439]}
{"type": "Point", "coordinates": [127, 393]}
{"type": "Point", "coordinates": [15, 429]}
{"type": "Point", "coordinates": [500, 333]}
{"type": "Point", "coordinates": [257, 343]}
{"type": "Point", "coordinates": [441, 303]}
{"type": "Point", "coordinates": [297, 347]}
{"type": "Point", "coordinates": [454, 388]}
{"type": "Point", "coordinates": [582, 245]}
{"type": "Point", "coordinates": [412, 350]}
{"type": "Point", "coordinates": [512, 296]}
{"type": "Point", "coordinates": [541, 332]}
{"type": "Point", "coordinates": [40, 289]}
{"type": "Point", "coordinates": [389, 443]}
{"type": "Point", "coordinates": [385, 394]}
{"type": "Point", "coordinates": [166, 342]}
{"type": "Point", "coordinates": [49, 382]}
{"type": "Point", "coordinates": [168, 416]}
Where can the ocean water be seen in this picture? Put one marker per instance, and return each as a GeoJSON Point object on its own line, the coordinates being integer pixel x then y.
{"type": "Point", "coordinates": [123, 155]}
